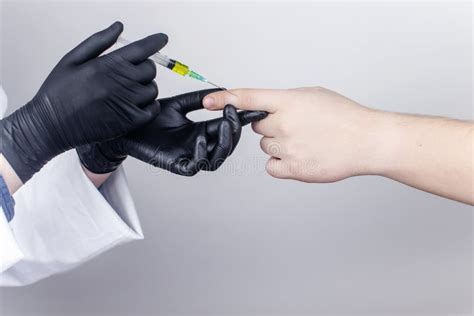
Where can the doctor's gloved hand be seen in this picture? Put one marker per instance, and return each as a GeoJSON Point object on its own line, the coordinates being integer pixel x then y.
{"type": "Point", "coordinates": [174, 142]}
{"type": "Point", "coordinates": [86, 98]}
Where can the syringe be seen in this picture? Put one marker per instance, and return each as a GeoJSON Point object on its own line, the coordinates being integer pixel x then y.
{"type": "Point", "coordinates": [173, 65]}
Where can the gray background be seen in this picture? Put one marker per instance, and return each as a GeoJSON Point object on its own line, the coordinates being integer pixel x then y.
{"type": "Point", "coordinates": [238, 241]}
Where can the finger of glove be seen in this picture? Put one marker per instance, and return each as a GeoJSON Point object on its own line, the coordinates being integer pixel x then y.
{"type": "Point", "coordinates": [95, 45]}
{"type": "Point", "coordinates": [148, 93]}
{"type": "Point", "coordinates": [197, 162]}
{"type": "Point", "coordinates": [223, 146]}
{"type": "Point", "coordinates": [139, 51]}
{"type": "Point", "coordinates": [145, 72]}
{"type": "Point", "coordinates": [142, 73]}
{"type": "Point", "coordinates": [136, 93]}
{"type": "Point", "coordinates": [130, 117]}
{"type": "Point", "coordinates": [212, 127]}
{"type": "Point", "coordinates": [247, 117]}
{"type": "Point", "coordinates": [231, 115]}
{"type": "Point", "coordinates": [188, 102]}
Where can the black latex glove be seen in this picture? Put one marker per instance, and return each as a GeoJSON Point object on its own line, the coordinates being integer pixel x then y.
{"type": "Point", "coordinates": [174, 142]}
{"type": "Point", "coordinates": [85, 99]}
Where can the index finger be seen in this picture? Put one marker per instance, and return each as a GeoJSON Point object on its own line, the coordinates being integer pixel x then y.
{"type": "Point", "coordinates": [139, 51]}
{"type": "Point", "coordinates": [246, 99]}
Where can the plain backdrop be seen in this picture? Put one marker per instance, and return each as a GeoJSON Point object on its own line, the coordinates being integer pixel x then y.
{"type": "Point", "coordinates": [238, 241]}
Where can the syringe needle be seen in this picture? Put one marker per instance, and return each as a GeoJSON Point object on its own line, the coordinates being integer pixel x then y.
{"type": "Point", "coordinates": [222, 88]}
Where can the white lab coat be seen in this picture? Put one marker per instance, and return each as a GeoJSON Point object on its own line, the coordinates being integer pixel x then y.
{"type": "Point", "coordinates": [62, 220]}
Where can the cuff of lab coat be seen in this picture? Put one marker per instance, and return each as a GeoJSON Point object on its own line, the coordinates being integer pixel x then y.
{"type": "Point", "coordinates": [62, 220]}
{"type": "Point", "coordinates": [116, 192]}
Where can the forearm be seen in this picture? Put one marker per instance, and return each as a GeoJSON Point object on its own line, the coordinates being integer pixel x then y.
{"type": "Point", "coordinates": [429, 153]}
{"type": "Point", "coordinates": [9, 175]}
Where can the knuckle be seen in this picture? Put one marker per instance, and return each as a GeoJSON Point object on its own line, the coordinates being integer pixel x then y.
{"type": "Point", "coordinates": [270, 168]}
{"type": "Point", "coordinates": [263, 144]}
{"type": "Point", "coordinates": [284, 128]}
{"type": "Point", "coordinates": [247, 98]}
{"type": "Point", "coordinates": [154, 90]}
{"type": "Point", "coordinates": [256, 127]}
{"type": "Point", "coordinates": [152, 67]}
{"type": "Point", "coordinates": [147, 70]}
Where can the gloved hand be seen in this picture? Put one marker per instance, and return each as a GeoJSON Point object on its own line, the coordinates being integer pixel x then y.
{"type": "Point", "coordinates": [174, 142]}
{"type": "Point", "coordinates": [85, 99]}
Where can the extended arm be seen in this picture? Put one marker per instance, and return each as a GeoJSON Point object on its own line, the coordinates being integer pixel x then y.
{"type": "Point", "coordinates": [317, 135]}
{"type": "Point", "coordinates": [433, 154]}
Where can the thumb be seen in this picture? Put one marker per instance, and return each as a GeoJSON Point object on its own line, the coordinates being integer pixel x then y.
{"type": "Point", "coordinates": [246, 99]}
{"type": "Point", "coordinates": [95, 45]}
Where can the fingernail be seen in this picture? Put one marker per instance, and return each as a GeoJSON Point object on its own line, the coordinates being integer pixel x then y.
{"type": "Point", "coordinates": [208, 102]}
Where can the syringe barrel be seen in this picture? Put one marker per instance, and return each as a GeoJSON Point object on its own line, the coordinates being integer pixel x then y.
{"type": "Point", "coordinates": [161, 60]}
{"type": "Point", "coordinates": [157, 58]}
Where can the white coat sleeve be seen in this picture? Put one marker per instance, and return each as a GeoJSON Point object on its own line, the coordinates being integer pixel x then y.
{"type": "Point", "coordinates": [62, 220]}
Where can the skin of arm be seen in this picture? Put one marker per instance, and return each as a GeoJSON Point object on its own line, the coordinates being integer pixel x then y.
{"type": "Point", "coordinates": [14, 183]}
{"type": "Point", "coordinates": [317, 135]}
{"type": "Point", "coordinates": [9, 175]}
